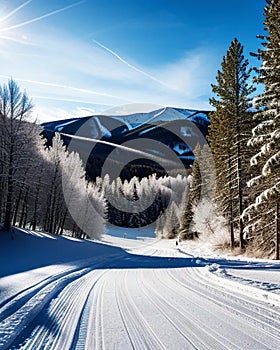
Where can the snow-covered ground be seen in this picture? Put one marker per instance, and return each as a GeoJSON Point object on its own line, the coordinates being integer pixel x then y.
{"type": "Point", "coordinates": [260, 273]}
{"type": "Point", "coordinates": [131, 233]}
{"type": "Point", "coordinates": [123, 293]}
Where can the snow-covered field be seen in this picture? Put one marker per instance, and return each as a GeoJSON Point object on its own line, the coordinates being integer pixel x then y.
{"type": "Point", "coordinates": [131, 233]}
{"type": "Point", "coordinates": [62, 293]}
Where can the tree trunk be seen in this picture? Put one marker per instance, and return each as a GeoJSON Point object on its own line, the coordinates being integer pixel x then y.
{"type": "Point", "coordinates": [63, 223]}
{"type": "Point", "coordinates": [231, 208]}
{"type": "Point", "coordinates": [21, 219]}
{"type": "Point", "coordinates": [8, 210]}
{"type": "Point", "coordinates": [25, 217]}
{"type": "Point", "coordinates": [17, 205]}
{"type": "Point", "coordinates": [53, 204]}
{"type": "Point", "coordinates": [277, 248]}
{"type": "Point", "coordinates": [34, 219]}
{"type": "Point", "coordinates": [240, 197]}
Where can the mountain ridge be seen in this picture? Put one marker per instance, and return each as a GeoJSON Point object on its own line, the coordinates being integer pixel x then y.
{"type": "Point", "coordinates": [175, 128]}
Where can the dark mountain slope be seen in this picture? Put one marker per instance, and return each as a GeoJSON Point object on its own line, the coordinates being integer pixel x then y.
{"type": "Point", "coordinates": [169, 128]}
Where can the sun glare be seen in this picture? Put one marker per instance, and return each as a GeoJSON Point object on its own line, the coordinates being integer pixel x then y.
{"type": "Point", "coordinates": [4, 28]}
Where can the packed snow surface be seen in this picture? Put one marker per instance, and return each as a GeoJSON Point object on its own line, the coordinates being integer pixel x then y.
{"type": "Point", "coordinates": [123, 293]}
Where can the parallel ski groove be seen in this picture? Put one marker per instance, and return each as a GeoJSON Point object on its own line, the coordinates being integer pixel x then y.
{"type": "Point", "coordinates": [248, 312]}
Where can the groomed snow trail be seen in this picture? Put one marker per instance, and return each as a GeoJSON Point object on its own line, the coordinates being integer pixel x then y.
{"type": "Point", "coordinates": [150, 298]}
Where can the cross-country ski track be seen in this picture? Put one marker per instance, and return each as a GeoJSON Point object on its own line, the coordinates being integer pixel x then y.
{"type": "Point", "coordinates": [150, 296]}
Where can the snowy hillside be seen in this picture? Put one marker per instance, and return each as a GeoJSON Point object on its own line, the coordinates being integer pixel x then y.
{"type": "Point", "coordinates": [165, 114]}
{"type": "Point", "coordinates": [103, 123]}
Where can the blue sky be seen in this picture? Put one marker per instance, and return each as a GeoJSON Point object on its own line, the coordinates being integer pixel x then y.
{"type": "Point", "coordinates": [85, 57]}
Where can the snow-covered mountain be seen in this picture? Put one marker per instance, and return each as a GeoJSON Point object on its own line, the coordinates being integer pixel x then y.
{"type": "Point", "coordinates": [165, 114]}
{"type": "Point", "coordinates": [176, 128]}
{"type": "Point", "coordinates": [101, 124]}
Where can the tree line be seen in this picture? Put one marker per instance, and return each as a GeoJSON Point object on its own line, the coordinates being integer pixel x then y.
{"type": "Point", "coordinates": [32, 193]}
{"type": "Point", "coordinates": [241, 202]}
{"type": "Point", "coordinates": [245, 143]}
{"type": "Point", "coordinates": [44, 186]}
{"type": "Point", "coordinates": [138, 203]}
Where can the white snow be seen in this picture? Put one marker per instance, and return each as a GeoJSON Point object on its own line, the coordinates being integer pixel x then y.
{"type": "Point", "coordinates": [123, 293]}
{"type": "Point", "coordinates": [261, 272]}
{"type": "Point", "coordinates": [163, 114]}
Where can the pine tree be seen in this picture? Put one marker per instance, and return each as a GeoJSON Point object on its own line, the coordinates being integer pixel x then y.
{"type": "Point", "coordinates": [171, 223]}
{"type": "Point", "coordinates": [160, 225]}
{"type": "Point", "coordinates": [263, 216]}
{"type": "Point", "coordinates": [228, 134]}
{"type": "Point", "coordinates": [201, 184]}
{"type": "Point", "coordinates": [190, 198]}
{"type": "Point", "coordinates": [185, 230]}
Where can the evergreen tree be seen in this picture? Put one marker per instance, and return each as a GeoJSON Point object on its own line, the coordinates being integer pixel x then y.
{"type": "Point", "coordinates": [160, 225]}
{"type": "Point", "coordinates": [200, 187]}
{"type": "Point", "coordinates": [171, 223]}
{"type": "Point", "coordinates": [190, 198]}
{"type": "Point", "coordinates": [185, 230]}
{"type": "Point", "coordinates": [263, 216]}
{"type": "Point", "coordinates": [230, 126]}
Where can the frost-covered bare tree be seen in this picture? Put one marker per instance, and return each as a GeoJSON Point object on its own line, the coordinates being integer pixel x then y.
{"type": "Point", "coordinates": [28, 179]}
{"type": "Point", "coordinates": [31, 188]}
{"type": "Point", "coordinates": [15, 109]}
{"type": "Point", "coordinates": [84, 204]}
{"type": "Point", "coordinates": [71, 203]}
{"type": "Point", "coordinates": [55, 156]}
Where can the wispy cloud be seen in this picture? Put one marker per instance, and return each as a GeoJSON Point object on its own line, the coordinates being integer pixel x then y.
{"type": "Point", "coordinates": [132, 66]}
{"type": "Point", "coordinates": [73, 100]}
{"type": "Point", "coordinates": [192, 73]}
{"type": "Point", "coordinates": [62, 86]}
{"type": "Point", "coordinates": [43, 114]}
{"type": "Point", "coordinates": [96, 76]}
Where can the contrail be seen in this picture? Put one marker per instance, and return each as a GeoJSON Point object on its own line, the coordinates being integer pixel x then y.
{"type": "Point", "coordinates": [68, 87]}
{"type": "Point", "coordinates": [15, 11]}
{"type": "Point", "coordinates": [131, 66]}
{"type": "Point", "coordinates": [41, 17]}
